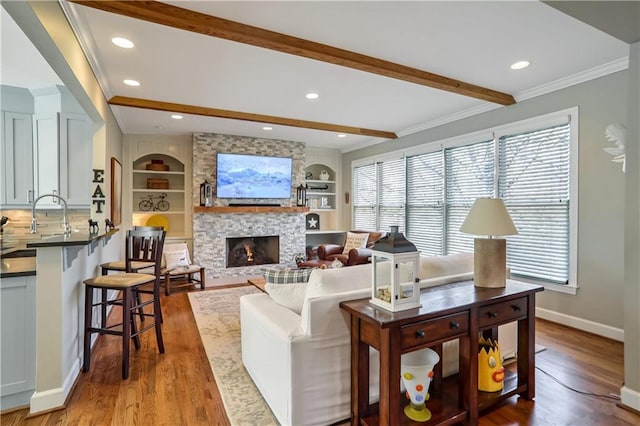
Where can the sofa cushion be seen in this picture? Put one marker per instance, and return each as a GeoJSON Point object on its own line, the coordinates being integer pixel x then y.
{"type": "Point", "coordinates": [287, 287]}
{"type": "Point", "coordinates": [442, 266]}
{"type": "Point", "coordinates": [355, 240]}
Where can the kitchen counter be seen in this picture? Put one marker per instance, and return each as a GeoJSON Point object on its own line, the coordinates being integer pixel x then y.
{"type": "Point", "coordinates": [53, 299]}
{"type": "Point", "coordinates": [19, 257]}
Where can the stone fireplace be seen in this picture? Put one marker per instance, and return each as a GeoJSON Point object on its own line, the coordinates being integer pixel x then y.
{"type": "Point", "coordinates": [253, 251]}
{"type": "Point", "coordinates": [212, 227]}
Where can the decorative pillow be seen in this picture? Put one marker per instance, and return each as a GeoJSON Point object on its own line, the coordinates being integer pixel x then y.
{"type": "Point", "coordinates": [175, 255]}
{"type": "Point", "coordinates": [286, 276]}
{"type": "Point", "coordinates": [355, 240]}
{"type": "Point", "coordinates": [287, 287]}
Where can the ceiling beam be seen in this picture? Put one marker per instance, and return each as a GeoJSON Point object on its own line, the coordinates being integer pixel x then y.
{"type": "Point", "coordinates": [189, 20]}
{"type": "Point", "coordinates": [235, 115]}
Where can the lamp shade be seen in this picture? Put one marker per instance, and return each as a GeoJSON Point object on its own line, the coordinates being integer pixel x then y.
{"type": "Point", "coordinates": [488, 216]}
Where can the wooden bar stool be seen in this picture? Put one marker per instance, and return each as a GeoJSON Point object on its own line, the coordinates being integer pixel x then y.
{"type": "Point", "coordinates": [140, 246]}
{"type": "Point", "coordinates": [120, 266]}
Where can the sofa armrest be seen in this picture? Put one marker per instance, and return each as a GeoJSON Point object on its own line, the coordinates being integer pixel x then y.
{"type": "Point", "coordinates": [326, 250]}
{"type": "Point", "coordinates": [359, 256]}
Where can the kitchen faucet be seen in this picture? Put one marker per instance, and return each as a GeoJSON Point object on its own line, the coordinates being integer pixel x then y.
{"type": "Point", "coordinates": [65, 222]}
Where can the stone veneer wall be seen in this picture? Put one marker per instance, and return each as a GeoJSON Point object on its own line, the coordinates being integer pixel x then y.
{"type": "Point", "coordinates": [211, 229]}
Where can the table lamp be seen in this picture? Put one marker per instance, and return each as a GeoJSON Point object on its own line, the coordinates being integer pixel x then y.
{"type": "Point", "coordinates": [489, 216]}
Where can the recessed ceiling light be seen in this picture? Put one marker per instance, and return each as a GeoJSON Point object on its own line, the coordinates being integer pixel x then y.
{"type": "Point", "coordinates": [131, 83]}
{"type": "Point", "coordinates": [312, 96]}
{"type": "Point", "coordinates": [176, 116]}
{"type": "Point", "coordinates": [122, 42]}
{"type": "Point", "coordinates": [520, 65]}
{"type": "Point", "coordinates": [342, 135]}
{"type": "Point", "coordinates": [267, 128]}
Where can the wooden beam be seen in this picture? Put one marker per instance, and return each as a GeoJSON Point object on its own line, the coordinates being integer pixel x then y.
{"type": "Point", "coordinates": [236, 115]}
{"type": "Point", "coordinates": [189, 20]}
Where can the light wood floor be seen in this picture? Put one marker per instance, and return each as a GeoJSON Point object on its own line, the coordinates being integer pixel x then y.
{"type": "Point", "coordinates": [177, 388]}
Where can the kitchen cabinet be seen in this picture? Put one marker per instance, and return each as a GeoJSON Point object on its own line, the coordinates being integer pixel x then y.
{"type": "Point", "coordinates": [62, 147]}
{"type": "Point", "coordinates": [47, 148]}
{"type": "Point", "coordinates": [17, 159]}
{"type": "Point", "coordinates": [18, 341]}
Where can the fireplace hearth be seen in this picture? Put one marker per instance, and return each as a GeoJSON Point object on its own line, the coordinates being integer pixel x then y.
{"type": "Point", "coordinates": [253, 251]}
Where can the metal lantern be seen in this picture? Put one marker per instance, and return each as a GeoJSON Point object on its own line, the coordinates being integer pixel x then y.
{"type": "Point", "coordinates": [206, 194]}
{"type": "Point", "coordinates": [395, 262]}
{"type": "Point", "coordinates": [301, 195]}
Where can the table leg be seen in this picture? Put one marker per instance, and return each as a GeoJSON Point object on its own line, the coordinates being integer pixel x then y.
{"type": "Point", "coordinates": [389, 407]}
{"type": "Point", "coordinates": [526, 350]}
{"type": "Point", "coordinates": [359, 374]}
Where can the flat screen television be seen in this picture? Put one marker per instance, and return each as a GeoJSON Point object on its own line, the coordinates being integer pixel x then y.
{"type": "Point", "coordinates": [253, 176]}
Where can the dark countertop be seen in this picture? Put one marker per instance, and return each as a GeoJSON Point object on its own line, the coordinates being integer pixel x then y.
{"type": "Point", "coordinates": [75, 239]}
{"type": "Point", "coordinates": [19, 257]}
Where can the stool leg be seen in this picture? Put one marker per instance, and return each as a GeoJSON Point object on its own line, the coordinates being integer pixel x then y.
{"type": "Point", "coordinates": [157, 314]}
{"type": "Point", "coordinates": [126, 331]}
{"type": "Point", "coordinates": [202, 278]}
{"type": "Point", "coordinates": [167, 284]}
{"type": "Point", "coordinates": [134, 329]}
{"type": "Point", "coordinates": [88, 308]}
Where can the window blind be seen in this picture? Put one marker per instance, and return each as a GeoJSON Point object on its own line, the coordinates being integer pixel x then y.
{"type": "Point", "coordinates": [469, 175]}
{"type": "Point", "coordinates": [391, 194]}
{"type": "Point", "coordinates": [534, 184]}
{"type": "Point", "coordinates": [364, 197]}
{"type": "Point", "coordinates": [425, 206]}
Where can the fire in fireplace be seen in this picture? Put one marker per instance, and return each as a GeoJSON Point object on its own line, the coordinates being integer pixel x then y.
{"type": "Point", "coordinates": [252, 251]}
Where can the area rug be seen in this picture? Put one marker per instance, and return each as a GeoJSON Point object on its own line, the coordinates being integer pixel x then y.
{"type": "Point", "coordinates": [217, 314]}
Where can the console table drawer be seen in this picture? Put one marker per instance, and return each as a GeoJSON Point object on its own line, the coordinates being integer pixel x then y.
{"type": "Point", "coordinates": [500, 313]}
{"type": "Point", "coordinates": [435, 329]}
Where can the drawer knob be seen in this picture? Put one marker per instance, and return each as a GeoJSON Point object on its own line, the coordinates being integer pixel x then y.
{"type": "Point", "coordinates": [420, 333]}
{"type": "Point", "coordinates": [516, 308]}
{"type": "Point", "coordinates": [492, 314]}
{"type": "Point", "coordinates": [454, 324]}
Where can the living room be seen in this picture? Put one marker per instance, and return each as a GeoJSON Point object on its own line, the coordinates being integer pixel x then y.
{"type": "Point", "coordinates": [605, 299]}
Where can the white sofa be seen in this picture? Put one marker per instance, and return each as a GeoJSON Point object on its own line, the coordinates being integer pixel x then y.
{"type": "Point", "coordinates": [301, 362]}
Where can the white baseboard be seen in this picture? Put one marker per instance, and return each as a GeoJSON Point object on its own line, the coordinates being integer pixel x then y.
{"type": "Point", "coordinates": [630, 398]}
{"type": "Point", "coordinates": [55, 398]}
{"type": "Point", "coordinates": [581, 324]}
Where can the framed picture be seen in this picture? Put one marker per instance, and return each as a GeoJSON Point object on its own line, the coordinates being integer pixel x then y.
{"type": "Point", "coordinates": [116, 191]}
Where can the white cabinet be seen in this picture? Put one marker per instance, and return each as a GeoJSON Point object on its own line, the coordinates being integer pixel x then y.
{"type": "Point", "coordinates": [18, 341]}
{"type": "Point", "coordinates": [17, 159]}
{"type": "Point", "coordinates": [62, 146]}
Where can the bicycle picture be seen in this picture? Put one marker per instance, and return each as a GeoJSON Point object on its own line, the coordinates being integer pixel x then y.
{"type": "Point", "coordinates": [147, 203]}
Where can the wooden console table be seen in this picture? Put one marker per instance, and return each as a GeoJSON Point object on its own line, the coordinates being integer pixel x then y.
{"type": "Point", "coordinates": [453, 311]}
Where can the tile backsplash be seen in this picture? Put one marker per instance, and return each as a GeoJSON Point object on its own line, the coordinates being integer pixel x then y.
{"type": "Point", "coordinates": [49, 222]}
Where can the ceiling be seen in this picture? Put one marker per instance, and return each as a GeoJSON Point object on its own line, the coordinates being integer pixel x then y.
{"type": "Point", "coordinates": [473, 43]}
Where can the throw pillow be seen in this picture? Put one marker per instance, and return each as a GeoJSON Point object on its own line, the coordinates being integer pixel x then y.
{"type": "Point", "coordinates": [355, 240]}
{"type": "Point", "coordinates": [287, 287]}
{"type": "Point", "coordinates": [175, 255]}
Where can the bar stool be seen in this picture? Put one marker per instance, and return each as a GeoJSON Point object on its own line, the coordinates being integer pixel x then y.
{"type": "Point", "coordinates": [140, 246]}
{"type": "Point", "coordinates": [120, 266]}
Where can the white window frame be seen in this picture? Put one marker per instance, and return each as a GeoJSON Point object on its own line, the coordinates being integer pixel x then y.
{"type": "Point", "coordinates": [521, 126]}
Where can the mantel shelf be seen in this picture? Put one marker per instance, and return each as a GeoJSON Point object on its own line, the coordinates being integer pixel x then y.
{"type": "Point", "coordinates": [249, 209]}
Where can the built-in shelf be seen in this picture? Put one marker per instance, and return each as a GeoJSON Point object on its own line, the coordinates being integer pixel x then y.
{"type": "Point", "coordinates": [249, 209]}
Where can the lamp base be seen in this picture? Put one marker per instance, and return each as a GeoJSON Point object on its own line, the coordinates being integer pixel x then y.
{"type": "Point", "coordinates": [490, 262]}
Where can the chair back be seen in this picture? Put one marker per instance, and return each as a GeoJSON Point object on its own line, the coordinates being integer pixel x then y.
{"type": "Point", "coordinates": [144, 245]}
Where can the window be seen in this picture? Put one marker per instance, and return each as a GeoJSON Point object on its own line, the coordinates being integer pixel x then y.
{"type": "Point", "coordinates": [534, 184]}
{"type": "Point", "coordinates": [429, 192]}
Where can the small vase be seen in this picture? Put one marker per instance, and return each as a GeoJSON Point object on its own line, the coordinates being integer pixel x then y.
{"type": "Point", "coordinates": [416, 369]}
{"type": "Point", "coordinates": [324, 175]}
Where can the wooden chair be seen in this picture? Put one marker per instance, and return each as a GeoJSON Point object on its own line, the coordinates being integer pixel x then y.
{"type": "Point", "coordinates": [177, 269]}
{"type": "Point", "coordinates": [140, 246]}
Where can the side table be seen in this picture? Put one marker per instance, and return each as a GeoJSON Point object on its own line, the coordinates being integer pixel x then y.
{"type": "Point", "coordinates": [458, 310]}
